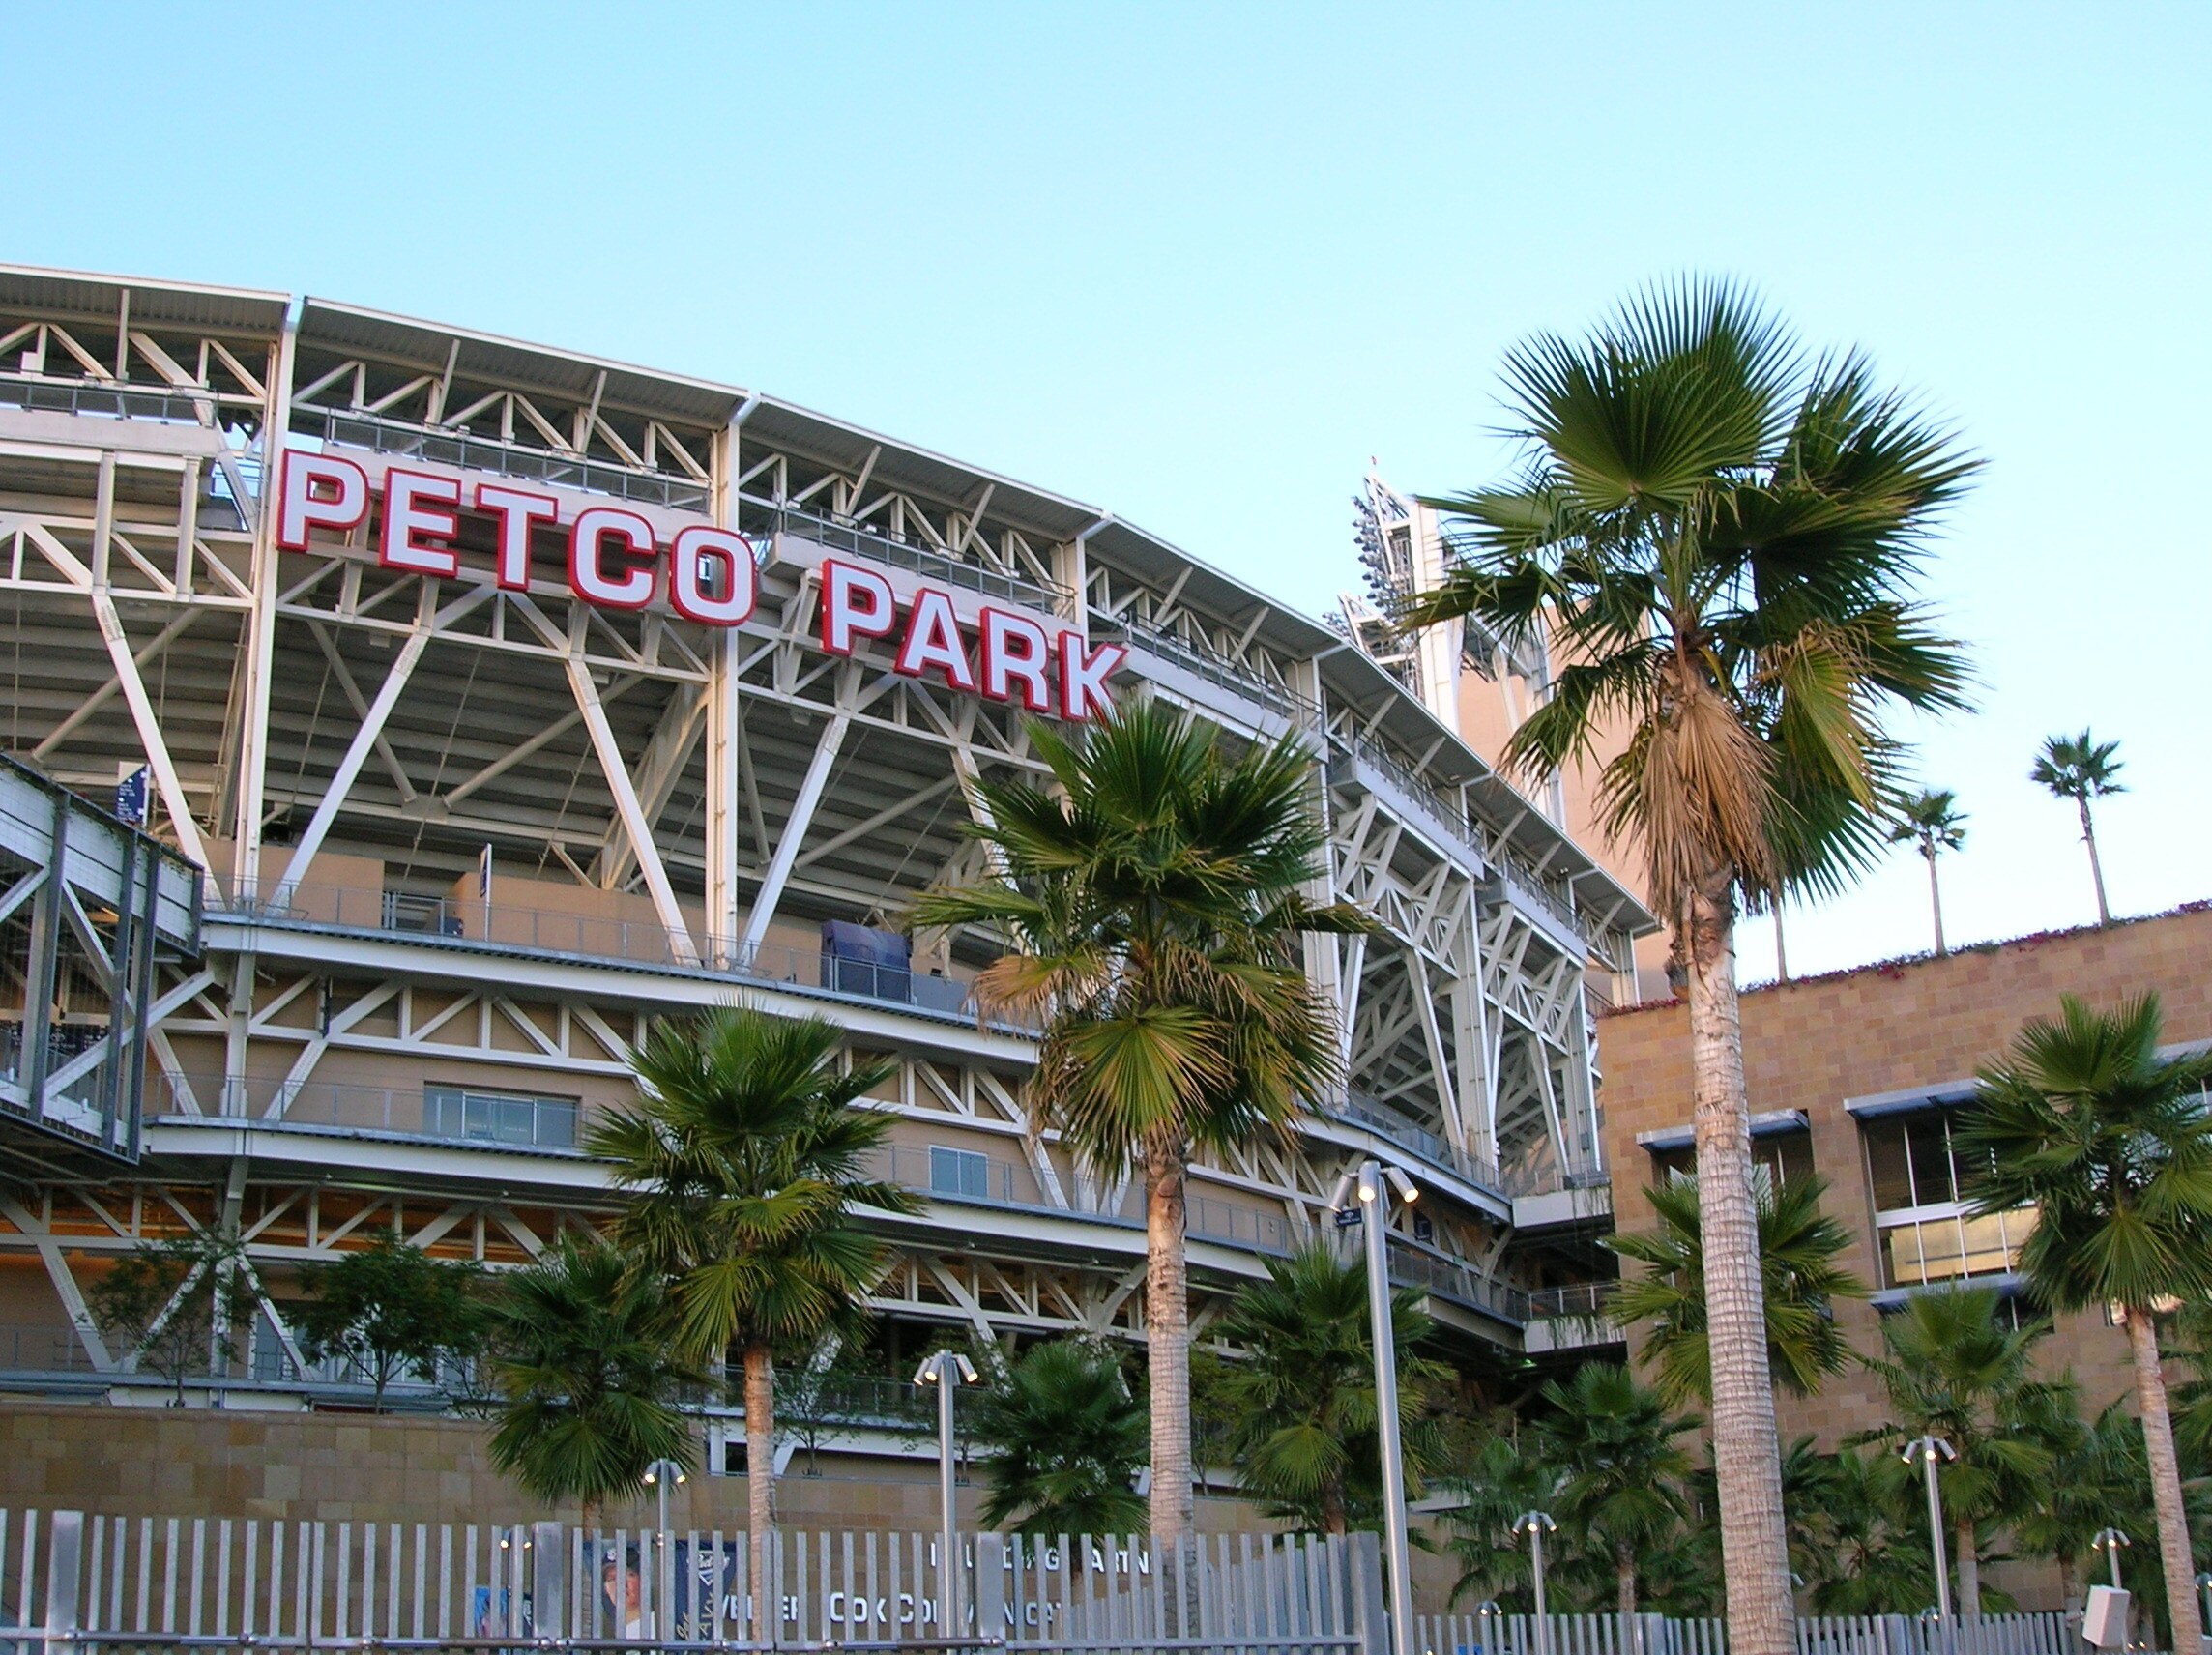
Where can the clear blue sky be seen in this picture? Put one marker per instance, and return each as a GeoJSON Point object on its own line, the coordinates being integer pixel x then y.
{"type": "Point", "coordinates": [1196, 265]}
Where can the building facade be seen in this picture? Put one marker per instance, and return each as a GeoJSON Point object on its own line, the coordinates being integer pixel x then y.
{"type": "Point", "coordinates": [1858, 1077]}
{"type": "Point", "coordinates": [503, 700]}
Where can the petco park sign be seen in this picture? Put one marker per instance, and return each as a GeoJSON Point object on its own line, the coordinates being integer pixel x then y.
{"type": "Point", "coordinates": [617, 560]}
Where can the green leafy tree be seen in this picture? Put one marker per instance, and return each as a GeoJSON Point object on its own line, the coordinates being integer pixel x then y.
{"type": "Point", "coordinates": [1955, 1367]}
{"type": "Point", "coordinates": [1716, 535]}
{"type": "Point", "coordinates": [2080, 768]}
{"type": "Point", "coordinates": [391, 1311]}
{"type": "Point", "coordinates": [1067, 1438]}
{"type": "Point", "coordinates": [1859, 1532]}
{"type": "Point", "coordinates": [745, 1161]}
{"type": "Point", "coordinates": [1155, 893]}
{"type": "Point", "coordinates": [1621, 1473]}
{"type": "Point", "coordinates": [1301, 1398]}
{"type": "Point", "coordinates": [1798, 1246]}
{"type": "Point", "coordinates": [1930, 823]}
{"type": "Point", "coordinates": [587, 1382]}
{"type": "Point", "coordinates": [837, 1384]}
{"type": "Point", "coordinates": [177, 1307]}
{"type": "Point", "coordinates": [2111, 1142]}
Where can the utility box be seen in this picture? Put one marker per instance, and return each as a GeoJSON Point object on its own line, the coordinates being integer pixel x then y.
{"type": "Point", "coordinates": [2105, 1622]}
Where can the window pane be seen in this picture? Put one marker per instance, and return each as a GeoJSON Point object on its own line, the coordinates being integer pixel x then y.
{"type": "Point", "coordinates": [1887, 1166]}
{"type": "Point", "coordinates": [1928, 1139]}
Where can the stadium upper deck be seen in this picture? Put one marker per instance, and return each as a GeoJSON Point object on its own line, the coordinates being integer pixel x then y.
{"type": "Point", "coordinates": [510, 697]}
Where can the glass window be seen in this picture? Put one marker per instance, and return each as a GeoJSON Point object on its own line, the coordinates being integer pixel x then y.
{"type": "Point", "coordinates": [963, 1174]}
{"type": "Point", "coordinates": [499, 1117]}
{"type": "Point", "coordinates": [1784, 1156]}
{"type": "Point", "coordinates": [1928, 1143]}
{"type": "Point", "coordinates": [1887, 1169]}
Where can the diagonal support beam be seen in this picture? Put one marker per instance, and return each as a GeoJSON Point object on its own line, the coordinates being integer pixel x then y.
{"type": "Point", "coordinates": [149, 725]}
{"type": "Point", "coordinates": [795, 827]}
{"type": "Point", "coordinates": [635, 822]}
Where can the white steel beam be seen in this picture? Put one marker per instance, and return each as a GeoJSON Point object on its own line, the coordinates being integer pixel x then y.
{"type": "Point", "coordinates": [787, 848]}
{"type": "Point", "coordinates": [633, 812]}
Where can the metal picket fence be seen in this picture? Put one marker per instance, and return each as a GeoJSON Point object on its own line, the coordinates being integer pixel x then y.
{"type": "Point", "coordinates": [90, 1585]}
{"type": "Point", "coordinates": [1498, 1634]}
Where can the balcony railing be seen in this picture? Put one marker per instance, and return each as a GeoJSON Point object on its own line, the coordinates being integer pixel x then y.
{"type": "Point", "coordinates": [1231, 676]}
{"type": "Point", "coordinates": [1358, 1109]}
{"type": "Point", "coordinates": [471, 923]}
{"type": "Point", "coordinates": [1584, 1299]}
{"type": "Point", "coordinates": [1456, 1280]}
{"type": "Point", "coordinates": [762, 517]}
{"type": "Point", "coordinates": [104, 400]}
{"type": "Point", "coordinates": [383, 435]}
{"type": "Point", "coordinates": [447, 1114]}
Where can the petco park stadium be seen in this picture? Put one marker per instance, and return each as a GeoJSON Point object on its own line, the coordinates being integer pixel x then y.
{"type": "Point", "coordinates": [402, 717]}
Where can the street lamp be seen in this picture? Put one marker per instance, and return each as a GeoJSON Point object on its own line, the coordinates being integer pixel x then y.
{"type": "Point", "coordinates": [1925, 1450]}
{"type": "Point", "coordinates": [1535, 1525]}
{"type": "Point", "coordinates": [943, 1370]}
{"type": "Point", "coordinates": [1374, 1185]}
{"type": "Point", "coordinates": [2109, 1541]}
{"type": "Point", "coordinates": [660, 1476]}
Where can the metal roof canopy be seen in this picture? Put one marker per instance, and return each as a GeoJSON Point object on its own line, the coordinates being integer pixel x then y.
{"type": "Point", "coordinates": [88, 297]}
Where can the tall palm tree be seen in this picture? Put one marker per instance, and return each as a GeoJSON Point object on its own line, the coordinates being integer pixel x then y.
{"type": "Point", "coordinates": [1302, 1396]}
{"type": "Point", "coordinates": [743, 1160]}
{"type": "Point", "coordinates": [1066, 1438]}
{"type": "Point", "coordinates": [1954, 1367]}
{"type": "Point", "coordinates": [1798, 1249]}
{"type": "Point", "coordinates": [1621, 1473]}
{"type": "Point", "coordinates": [1155, 894]}
{"type": "Point", "coordinates": [2080, 768]}
{"type": "Point", "coordinates": [587, 1377]}
{"type": "Point", "coordinates": [1716, 535]}
{"type": "Point", "coordinates": [2096, 1476]}
{"type": "Point", "coordinates": [2111, 1144]}
{"type": "Point", "coordinates": [1502, 1476]}
{"type": "Point", "coordinates": [1931, 823]}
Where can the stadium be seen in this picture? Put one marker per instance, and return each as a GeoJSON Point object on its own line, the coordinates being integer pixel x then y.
{"type": "Point", "coordinates": [402, 717]}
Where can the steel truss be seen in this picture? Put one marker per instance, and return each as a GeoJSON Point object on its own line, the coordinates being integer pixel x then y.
{"type": "Point", "coordinates": [475, 837]}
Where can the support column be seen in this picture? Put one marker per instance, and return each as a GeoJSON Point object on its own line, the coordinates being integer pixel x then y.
{"type": "Point", "coordinates": [261, 640]}
{"type": "Point", "coordinates": [795, 828]}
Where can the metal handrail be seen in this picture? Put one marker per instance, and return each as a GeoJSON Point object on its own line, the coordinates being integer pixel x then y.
{"type": "Point", "coordinates": [764, 516]}
{"type": "Point", "coordinates": [380, 433]}
{"type": "Point", "coordinates": [1219, 670]}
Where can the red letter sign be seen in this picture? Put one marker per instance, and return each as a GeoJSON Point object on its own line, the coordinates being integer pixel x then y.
{"type": "Point", "coordinates": [856, 603]}
{"type": "Point", "coordinates": [406, 517]}
{"type": "Point", "coordinates": [1083, 679]}
{"type": "Point", "coordinates": [517, 509]}
{"type": "Point", "coordinates": [321, 491]}
{"type": "Point", "coordinates": [632, 588]}
{"type": "Point", "coordinates": [696, 551]}
{"type": "Point", "coordinates": [1016, 651]}
{"type": "Point", "coordinates": [932, 639]}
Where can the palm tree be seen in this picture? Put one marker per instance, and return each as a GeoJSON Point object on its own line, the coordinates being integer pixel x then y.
{"type": "Point", "coordinates": [1067, 1438]}
{"type": "Point", "coordinates": [2111, 1145]}
{"type": "Point", "coordinates": [1716, 535]}
{"type": "Point", "coordinates": [743, 1160]}
{"type": "Point", "coordinates": [1621, 1474]}
{"type": "Point", "coordinates": [1503, 1476]}
{"type": "Point", "coordinates": [587, 1382]}
{"type": "Point", "coordinates": [1859, 1534]}
{"type": "Point", "coordinates": [2080, 768]}
{"type": "Point", "coordinates": [1302, 1396]}
{"type": "Point", "coordinates": [1154, 891]}
{"type": "Point", "coordinates": [1798, 1249]}
{"type": "Point", "coordinates": [1955, 1368]}
{"type": "Point", "coordinates": [2096, 1477]}
{"type": "Point", "coordinates": [1931, 823]}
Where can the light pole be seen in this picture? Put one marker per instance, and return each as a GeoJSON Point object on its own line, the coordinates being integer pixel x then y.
{"type": "Point", "coordinates": [1925, 1450]}
{"type": "Point", "coordinates": [1535, 1525]}
{"type": "Point", "coordinates": [2109, 1541]}
{"type": "Point", "coordinates": [941, 1370]}
{"type": "Point", "coordinates": [1374, 1183]}
{"type": "Point", "coordinates": [660, 1476]}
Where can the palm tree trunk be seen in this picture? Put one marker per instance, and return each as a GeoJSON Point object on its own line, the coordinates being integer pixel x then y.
{"type": "Point", "coordinates": [1167, 1338]}
{"type": "Point", "coordinates": [1624, 1587]}
{"type": "Point", "coordinates": [1966, 1546]}
{"type": "Point", "coordinates": [1935, 901]}
{"type": "Point", "coordinates": [1780, 948]}
{"type": "Point", "coordinates": [2096, 867]}
{"type": "Point", "coordinates": [760, 1482]}
{"type": "Point", "coordinates": [2174, 1548]}
{"type": "Point", "coordinates": [1747, 1458]}
{"type": "Point", "coordinates": [2069, 1584]}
